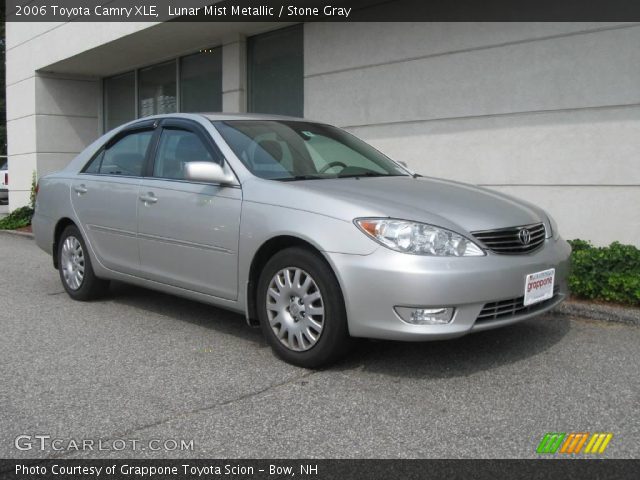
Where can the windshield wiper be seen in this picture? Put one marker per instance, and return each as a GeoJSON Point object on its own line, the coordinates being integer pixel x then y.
{"type": "Point", "coordinates": [299, 177]}
{"type": "Point", "coordinates": [368, 174]}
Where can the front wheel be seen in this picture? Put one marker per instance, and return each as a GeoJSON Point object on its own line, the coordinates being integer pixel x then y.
{"type": "Point", "coordinates": [74, 266]}
{"type": "Point", "coordinates": [301, 309]}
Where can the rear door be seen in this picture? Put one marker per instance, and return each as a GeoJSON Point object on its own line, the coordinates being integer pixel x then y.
{"type": "Point", "coordinates": [105, 198]}
{"type": "Point", "coordinates": [188, 231]}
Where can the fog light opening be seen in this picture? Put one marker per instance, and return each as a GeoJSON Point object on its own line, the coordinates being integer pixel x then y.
{"type": "Point", "coordinates": [426, 316]}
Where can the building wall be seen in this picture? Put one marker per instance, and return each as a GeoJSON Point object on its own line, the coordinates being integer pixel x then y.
{"type": "Point", "coordinates": [546, 112]}
{"type": "Point", "coordinates": [51, 116]}
{"type": "Point", "coordinates": [59, 118]}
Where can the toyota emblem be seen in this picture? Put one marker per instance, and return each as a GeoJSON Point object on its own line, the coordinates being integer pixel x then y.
{"type": "Point", "coordinates": [525, 236]}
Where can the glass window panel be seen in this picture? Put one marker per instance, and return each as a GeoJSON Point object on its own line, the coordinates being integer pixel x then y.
{"type": "Point", "coordinates": [125, 157]}
{"type": "Point", "coordinates": [119, 100]}
{"type": "Point", "coordinates": [176, 148]}
{"type": "Point", "coordinates": [94, 165]}
{"type": "Point", "coordinates": [275, 72]}
{"type": "Point", "coordinates": [157, 89]}
{"type": "Point", "coordinates": [201, 82]}
{"type": "Point", "coordinates": [289, 149]}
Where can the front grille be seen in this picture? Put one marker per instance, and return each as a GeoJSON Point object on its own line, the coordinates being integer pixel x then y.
{"type": "Point", "coordinates": [511, 308]}
{"type": "Point", "coordinates": [509, 241]}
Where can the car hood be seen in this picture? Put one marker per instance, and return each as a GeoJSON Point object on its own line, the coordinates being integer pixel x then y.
{"type": "Point", "coordinates": [441, 202]}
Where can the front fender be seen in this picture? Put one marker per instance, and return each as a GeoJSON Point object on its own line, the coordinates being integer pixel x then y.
{"type": "Point", "coordinates": [262, 222]}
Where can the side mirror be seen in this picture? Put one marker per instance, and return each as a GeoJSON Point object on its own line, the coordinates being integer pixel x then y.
{"type": "Point", "coordinates": [404, 164]}
{"type": "Point", "coordinates": [208, 172]}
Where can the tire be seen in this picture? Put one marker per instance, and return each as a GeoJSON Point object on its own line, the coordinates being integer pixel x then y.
{"type": "Point", "coordinates": [301, 309]}
{"type": "Point", "coordinates": [74, 267]}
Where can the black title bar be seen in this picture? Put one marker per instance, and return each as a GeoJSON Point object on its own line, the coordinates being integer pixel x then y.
{"type": "Point", "coordinates": [304, 469]}
{"type": "Point", "coordinates": [319, 11]}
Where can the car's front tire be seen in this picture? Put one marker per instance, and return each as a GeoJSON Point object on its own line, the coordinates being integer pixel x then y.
{"type": "Point", "coordinates": [74, 266]}
{"type": "Point", "coordinates": [301, 309]}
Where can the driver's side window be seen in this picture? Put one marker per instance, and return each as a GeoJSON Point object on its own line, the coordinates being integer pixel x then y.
{"type": "Point", "coordinates": [176, 148]}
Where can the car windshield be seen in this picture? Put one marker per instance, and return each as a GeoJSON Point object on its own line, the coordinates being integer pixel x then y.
{"type": "Point", "coordinates": [4, 166]}
{"type": "Point", "coordinates": [292, 150]}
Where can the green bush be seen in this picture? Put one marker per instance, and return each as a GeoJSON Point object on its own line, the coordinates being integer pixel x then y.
{"type": "Point", "coordinates": [610, 274]}
{"type": "Point", "coordinates": [20, 217]}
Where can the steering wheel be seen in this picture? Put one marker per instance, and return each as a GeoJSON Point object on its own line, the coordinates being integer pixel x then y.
{"type": "Point", "coordinates": [331, 165]}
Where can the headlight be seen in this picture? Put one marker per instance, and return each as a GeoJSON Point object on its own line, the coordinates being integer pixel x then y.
{"type": "Point", "coordinates": [418, 238]}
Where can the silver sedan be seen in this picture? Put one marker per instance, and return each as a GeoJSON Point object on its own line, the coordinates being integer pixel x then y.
{"type": "Point", "coordinates": [311, 233]}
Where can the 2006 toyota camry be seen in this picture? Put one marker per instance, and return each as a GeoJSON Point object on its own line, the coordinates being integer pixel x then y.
{"type": "Point", "coordinates": [310, 232]}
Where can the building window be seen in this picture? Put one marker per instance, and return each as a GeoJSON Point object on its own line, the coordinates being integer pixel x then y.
{"type": "Point", "coordinates": [198, 89]}
{"type": "Point", "coordinates": [157, 89]}
{"type": "Point", "coordinates": [119, 100]}
{"type": "Point", "coordinates": [201, 81]}
{"type": "Point", "coordinates": [276, 72]}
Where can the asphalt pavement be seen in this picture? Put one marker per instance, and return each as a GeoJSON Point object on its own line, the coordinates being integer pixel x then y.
{"type": "Point", "coordinates": [140, 365]}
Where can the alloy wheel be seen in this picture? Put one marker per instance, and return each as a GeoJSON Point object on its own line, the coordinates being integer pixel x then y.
{"type": "Point", "coordinates": [295, 309]}
{"type": "Point", "coordinates": [72, 262]}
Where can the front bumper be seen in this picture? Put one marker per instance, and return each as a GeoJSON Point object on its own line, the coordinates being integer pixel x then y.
{"type": "Point", "coordinates": [373, 284]}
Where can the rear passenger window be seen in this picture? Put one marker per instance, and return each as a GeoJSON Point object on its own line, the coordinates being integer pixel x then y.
{"type": "Point", "coordinates": [125, 157]}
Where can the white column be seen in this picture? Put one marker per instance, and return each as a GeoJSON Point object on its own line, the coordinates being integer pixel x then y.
{"type": "Point", "coordinates": [67, 118]}
{"type": "Point", "coordinates": [21, 140]}
{"type": "Point", "coordinates": [234, 74]}
{"type": "Point", "coordinates": [50, 119]}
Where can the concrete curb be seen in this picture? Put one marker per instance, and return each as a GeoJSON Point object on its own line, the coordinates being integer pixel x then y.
{"type": "Point", "coordinates": [593, 311]}
{"type": "Point", "coordinates": [18, 234]}
{"type": "Point", "coordinates": [598, 311]}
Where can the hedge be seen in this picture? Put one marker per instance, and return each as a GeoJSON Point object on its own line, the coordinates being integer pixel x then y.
{"type": "Point", "coordinates": [610, 274]}
{"type": "Point", "coordinates": [20, 217]}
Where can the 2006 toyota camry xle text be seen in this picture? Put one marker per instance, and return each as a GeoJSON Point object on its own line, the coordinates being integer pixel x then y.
{"type": "Point", "coordinates": [307, 230]}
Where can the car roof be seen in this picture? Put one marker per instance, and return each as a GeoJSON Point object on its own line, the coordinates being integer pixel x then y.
{"type": "Point", "coordinates": [249, 116]}
{"type": "Point", "coordinates": [219, 117]}
{"type": "Point", "coordinates": [212, 117]}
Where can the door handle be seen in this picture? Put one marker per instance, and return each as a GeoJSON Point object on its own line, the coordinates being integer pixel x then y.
{"type": "Point", "coordinates": [80, 189]}
{"type": "Point", "coordinates": [148, 198]}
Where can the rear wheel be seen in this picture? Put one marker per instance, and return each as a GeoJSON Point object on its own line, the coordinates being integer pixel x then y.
{"type": "Point", "coordinates": [74, 266]}
{"type": "Point", "coordinates": [301, 309]}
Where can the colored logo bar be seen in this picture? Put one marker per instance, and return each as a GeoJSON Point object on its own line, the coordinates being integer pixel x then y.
{"type": "Point", "coordinates": [574, 443]}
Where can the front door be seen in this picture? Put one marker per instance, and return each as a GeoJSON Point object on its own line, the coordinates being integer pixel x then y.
{"type": "Point", "coordinates": [188, 231]}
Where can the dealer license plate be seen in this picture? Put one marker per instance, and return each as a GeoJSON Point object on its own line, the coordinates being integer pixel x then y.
{"type": "Point", "coordinates": [538, 286]}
